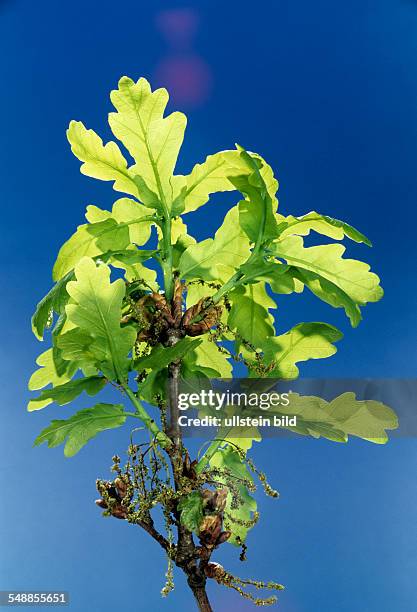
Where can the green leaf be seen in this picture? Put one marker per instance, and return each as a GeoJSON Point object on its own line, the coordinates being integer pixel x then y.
{"type": "Point", "coordinates": [48, 374]}
{"type": "Point", "coordinates": [191, 511]}
{"type": "Point", "coordinates": [350, 276]}
{"type": "Point", "coordinates": [96, 309]}
{"type": "Point", "coordinates": [249, 314]}
{"type": "Point", "coordinates": [161, 356]}
{"type": "Point", "coordinates": [215, 174]}
{"type": "Point", "coordinates": [207, 358]}
{"type": "Point", "coordinates": [104, 162]}
{"type": "Point", "coordinates": [217, 258]}
{"type": "Point", "coordinates": [152, 140]}
{"type": "Point", "coordinates": [129, 222]}
{"type": "Point", "coordinates": [328, 292]}
{"type": "Point", "coordinates": [81, 427]}
{"type": "Point", "coordinates": [304, 341]}
{"type": "Point", "coordinates": [340, 418]}
{"type": "Point", "coordinates": [54, 301]}
{"type": "Point", "coordinates": [322, 224]}
{"type": "Point", "coordinates": [212, 176]}
{"type": "Point", "coordinates": [367, 419]}
{"type": "Point", "coordinates": [67, 392]}
{"type": "Point", "coordinates": [130, 260]}
{"type": "Point", "coordinates": [256, 211]}
{"type": "Point", "coordinates": [280, 277]}
{"type": "Point", "coordinates": [75, 346]}
{"type": "Point", "coordinates": [228, 458]}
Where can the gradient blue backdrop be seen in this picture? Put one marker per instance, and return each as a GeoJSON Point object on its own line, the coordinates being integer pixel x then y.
{"type": "Point", "coordinates": [327, 92]}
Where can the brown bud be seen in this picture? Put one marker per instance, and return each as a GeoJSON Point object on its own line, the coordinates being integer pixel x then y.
{"type": "Point", "coordinates": [101, 503]}
{"type": "Point", "coordinates": [221, 498]}
{"type": "Point", "coordinates": [202, 327]}
{"type": "Point", "coordinates": [209, 499]}
{"type": "Point", "coordinates": [143, 335]}
{"type": "Point", "coordinates": [192, 312]}
{"type": "Point", "coordinates": [162, 306]}
{"type": "Point", "coordinates": [214, 570]}
{"type": "Point", "coordinates": [188, 468]}
{"type": "Point", "coordinates": [210, 529]}
{"type": "Point", "coordinates": [223, 537]}
{"type": "Point", "coordinates": [118, 511]}
{"type": "Point", "coordinates": [187, 462]}
{"type": "Point", "coordinates": [177, 302]}
{"type": "Point", "coordinates": [121, 487]}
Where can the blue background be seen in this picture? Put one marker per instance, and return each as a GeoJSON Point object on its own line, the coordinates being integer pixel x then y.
{"type": "Point", "coordinates": [327, 92]}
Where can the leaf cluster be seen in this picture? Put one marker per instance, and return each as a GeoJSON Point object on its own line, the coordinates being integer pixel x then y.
{"type": "Point", "coordinates": [134, 293]}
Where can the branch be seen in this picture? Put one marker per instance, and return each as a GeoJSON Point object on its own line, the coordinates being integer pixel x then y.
{"type": "Point", "coordinates": [149, 528]}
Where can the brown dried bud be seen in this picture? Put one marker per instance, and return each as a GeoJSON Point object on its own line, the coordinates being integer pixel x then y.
{"type": "Point", "coordinates": [209, 500]}
{"type": "Point", "coordinates": [223, 537]}
{"type": "Point", "coordinates": [215, 501]}
{"type": "Point", "coordinates": [188, 468]}
{"type": "Point", "coordinates": [143, 335]}
{"type": "Point", "coordinates": [192, 312]}
{"type": "Point", "coordinates": [162, 306]}
{"type": "Point", "coordinates": [221, 498]}
{"type": "Point", "coordinates": [121, 487]}
{"type": "Point", "coordinates": [177, 302]}
{"type": "Point", "coordinates": [118, 511]}
{"type": "Point", "coordinates": [210, 529]}
{"type": "Point", "coordinates": [214, 570]}
{"type": "Point", "coordinates": [101, 503]}
{"type": "Point", "coordinates": [211, 317]}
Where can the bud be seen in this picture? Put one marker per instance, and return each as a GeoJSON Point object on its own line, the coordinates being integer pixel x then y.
{"type": "Point", "coordinates": [214, 570]}
{"type": "Point", "coordinates": [118, 511]}
{"type": "Point", "coordinates": [221, 497]}
{"type": "Point", "coordinates": [101, 503]}
{"type": "Point", "coordinates": [121, 487]}
{"type": "Point", "coordinates": [210, 529]}
{"type": "Point", "coordinates": [223, 537]}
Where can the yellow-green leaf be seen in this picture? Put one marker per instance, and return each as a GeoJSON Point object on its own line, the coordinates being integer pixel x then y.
{"type": "Point", "coordinates": [96, 309]}
{"type": "Point", "coordinates": [152, 140]}
{"type": "Point", "coordinates": [304, 341]}
{"type": "Point", "coordinates": [104, 162]}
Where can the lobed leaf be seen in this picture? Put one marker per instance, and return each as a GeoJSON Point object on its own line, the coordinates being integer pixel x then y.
{"type": "Point", "coordinates": [322, 224]}
{"type": "Point", "coordinates": [340, 418]}
{"type": "Point", "coordinates": [355, 284]}
{"type": "Point", "coordinates": [304, 341]}
{"type": "Point", "coordinates": [81, 427]}
{"type": "Point", "coordinates": [54, 301]}
{"type": "Point", "coordinates": [161, 356]}
{"type": "Point", "coordinates": [48, 374]}
{"type": "Point", "coordinates": [217, 258]}
{"type": "Point", "coordinates": [250, 315]}
{"type": "Point", "coordinates": [95, 309]}
{"type": "Point", "coordinates": [207, 359]}
{"type": "Point", "coordinates": [67, 392]}
{"type": "Point", "coordinates": [104, 162]}
{"type": "Point", "coordinates": [152, 140]}
{"type": "Point", "coordinates": [128, 223]}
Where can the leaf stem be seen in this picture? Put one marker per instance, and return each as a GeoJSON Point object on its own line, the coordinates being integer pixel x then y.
{"type": "Point", "coordinates": [148, 421]}
{"type": "Point", "coordinates": [166, 259]}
